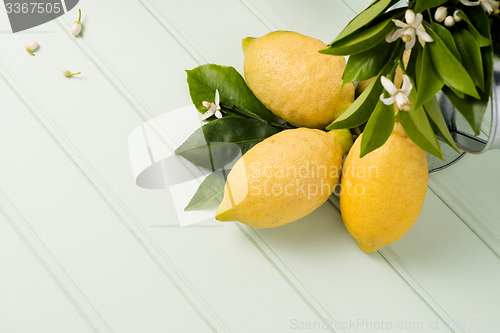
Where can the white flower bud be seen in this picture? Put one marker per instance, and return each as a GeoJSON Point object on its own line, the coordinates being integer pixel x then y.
{"type": "Point", "coordinates": [31, 47]}
{"type": "Point", "coordinates": [76, 28]}
{"type": "Point", "coordinates": [67, 73]}
{"type": "Point", "coordinates": [410, 17]}
{"type": "Point", "coordinates": [449, 21]}
{"type": "Point", "coordinates": [456, 17]}
{"type": "Point", "coordinates": [440, 14]}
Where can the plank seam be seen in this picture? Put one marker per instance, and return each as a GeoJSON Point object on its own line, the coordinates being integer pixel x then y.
{"type": "Point", "coordinates": [141, 109]}
{"type": "Point", "coordinates": [128, 220]}
{"type": "Point", "coordinates": [395, 264]}
{"type": "Point", "coordinates": [189, 47]}
{"type": "Point", "coordinates": [389, 257]}
{"type": "Point", "coordinates": [482, 232]}
{"type": "Point", "coordinates": [172, 29]}
{"type": "Point", "coordinates": [51, 266]}
{"type": "Point", "coordinates": [289, 276]}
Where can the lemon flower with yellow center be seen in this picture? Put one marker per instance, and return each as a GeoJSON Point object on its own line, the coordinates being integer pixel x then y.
{"type": "Point", "coordinates": [213, 108]}
{"type": "Point", "coordinates": [398, 96]}
{"type": "Point", "coordinates": [409, 31]}
{"type": "Point", "coordinates": [489, 6]}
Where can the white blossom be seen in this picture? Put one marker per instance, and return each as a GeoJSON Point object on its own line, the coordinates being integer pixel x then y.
{"type": "Point", "coordinates": [409, 31]}
{"type": "Point", "coordinates": [489, 6]}
{"type": "Point", "coordinates": [31, 47]}
{"type": "Point", "coordinates": [67, 73]}
{"type": "Point", "coordinates": [449, 21]}
{"type": "Point", "coordinates": [213, 108]}
{"type": "Point", "coordinates": [440, 14]}
{"type": "Point", "coordinates": [398, 96]}
{"type": "Point", "coordinates": [77, 26]}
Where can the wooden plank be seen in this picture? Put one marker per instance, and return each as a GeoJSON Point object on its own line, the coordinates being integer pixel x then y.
{"type": "Point", "coordinates": [110, 268]}
{"type": "Point", "coordinates": [28, 292]}
{"type": "Point", "coordinates": [103, 158]}
{"type": "Point", "coordinates": [452, 266]}
{"type": "Point", "coordinates": [470, 189]}
{"type": "Point", "coordinates": [328, 17]}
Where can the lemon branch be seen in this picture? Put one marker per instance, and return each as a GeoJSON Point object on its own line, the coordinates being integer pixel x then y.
{"type": "Point", "coordinates": [247, 114]}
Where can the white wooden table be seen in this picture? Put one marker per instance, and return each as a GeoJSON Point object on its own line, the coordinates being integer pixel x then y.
{"type": "Point", "coordinates": [83, 248]}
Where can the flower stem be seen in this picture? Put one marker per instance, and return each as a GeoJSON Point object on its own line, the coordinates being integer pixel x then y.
{"type": "Point", "coordinates": [237, 111]}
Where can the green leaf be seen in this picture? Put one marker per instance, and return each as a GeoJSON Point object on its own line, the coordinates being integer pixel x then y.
{"type": "Point", "coordinates": [428, 82]}
{"type": "Point", "coordinates": [480, 21]}
{"type": "Point", "coordinates": [468, 107]}
{"type": "Point", "coordinates": [211, 187]}
{"type": "Point", "coordinates": [448, 68]}
{"type": "Point", "coordinates": [365, 65]}
{"type": "Point", "coordinates": [363, 106]}
{"type": "Point", "coordinates": [471, 55]}
{"type": "Point", "coordinates": [447, 38]}
{"type": "Point", "coordinates": [438, 122]}
{"type": "Point", "coordinates": [481, 40]}
{"type": "Point", "coordinates": [473, 109]}
{"type": "Point", "coordinates": [378, 129]}
{"type": "Point", "coordinates": [361, 40]}
{"type": "Point", "coordinates": [219, 142]}
{"type": "Point", "coordinates": [361, 109]}
{"type": "Point", "coordinates": [419, 129]}
{"type": "Point", "coordinates": [205, 79]}
{"type": "Point", "coordinates": [365, 17]}
{"type": "Point", "coordinates": [422, 5]}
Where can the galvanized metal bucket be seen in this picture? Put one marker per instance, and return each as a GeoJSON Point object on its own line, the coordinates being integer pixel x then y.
{"type": "Point", "coordinates": [466, 140]}
{"type": "Point", "coordinates": [471, 143]}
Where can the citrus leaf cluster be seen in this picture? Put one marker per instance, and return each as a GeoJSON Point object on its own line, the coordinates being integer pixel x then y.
{"type": "Point", "coordinates": [219, 142]}
{"type": "Point", "coordinates": [458, 62]}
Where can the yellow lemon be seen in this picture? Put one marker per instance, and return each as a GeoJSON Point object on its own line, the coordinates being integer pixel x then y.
{"type": "Point", "coordinates": [288, 75]}
{"type": "Point", "coordinates": [382, 193]}
{"type": "Point", "coordinates": [284, 178]}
